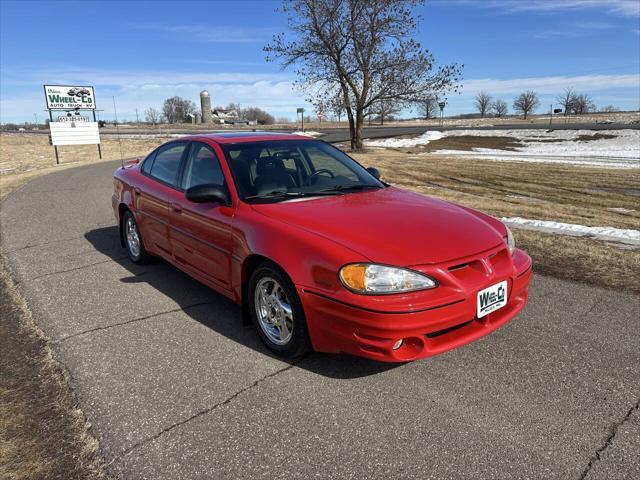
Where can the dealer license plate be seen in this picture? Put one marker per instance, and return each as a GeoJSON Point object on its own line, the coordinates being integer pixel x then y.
{"type": "Point", "coordinates": [492, 298]}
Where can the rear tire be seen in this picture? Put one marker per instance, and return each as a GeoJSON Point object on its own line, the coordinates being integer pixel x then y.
{"type": "Point", "coordinates": [133, 240]}
{"type": "Point", "coordinates": [276, 311]}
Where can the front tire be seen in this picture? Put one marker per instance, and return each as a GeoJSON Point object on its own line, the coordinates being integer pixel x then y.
{"type": "Point", "coordinates": [277, 313]}
{"type": "Point", "coordinates": [133, 240]}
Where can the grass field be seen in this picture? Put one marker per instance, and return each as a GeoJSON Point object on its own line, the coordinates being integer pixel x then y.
{"type": "Point", "coordinates": [564, 193]}
{"type": "Point", "coordinates": [43, 434]}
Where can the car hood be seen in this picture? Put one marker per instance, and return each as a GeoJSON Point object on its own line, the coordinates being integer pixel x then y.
{"type": "Point", "coordinates": [392, 226]}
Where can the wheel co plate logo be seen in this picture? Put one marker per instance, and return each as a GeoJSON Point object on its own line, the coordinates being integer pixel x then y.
{"type": "Point", "coordinates": [69, 97]}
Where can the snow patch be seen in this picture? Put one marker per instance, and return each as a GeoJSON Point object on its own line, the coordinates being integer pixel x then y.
{"type": "Point", "coordinates": [631, 237]}
{"type": "Point", "coordinates": [575, 147]}
{"type": "Point", "coordinates": [308, 133]}
{"type": "Point", "coordinates": [423, 139]}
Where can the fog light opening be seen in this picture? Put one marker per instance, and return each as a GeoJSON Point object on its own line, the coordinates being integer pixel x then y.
{"type": "Point", "coordinates": [398, 344]}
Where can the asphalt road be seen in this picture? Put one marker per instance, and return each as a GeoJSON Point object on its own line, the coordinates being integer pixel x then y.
{"type": "Point", "coordinates": [176, 386]}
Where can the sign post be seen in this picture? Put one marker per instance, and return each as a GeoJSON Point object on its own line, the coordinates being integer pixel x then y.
{"type": "Point", "coordinates": [72, 128]}
{"type": "Point", "coordinates": [441, 105]}
{"type": "Point", "coordinates": [301, 112]}
{"type": "Point", "coordinates": [319, 115]}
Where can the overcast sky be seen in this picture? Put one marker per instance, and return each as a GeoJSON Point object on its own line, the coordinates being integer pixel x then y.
{"type": "Point", "coordinates": [144, 52]}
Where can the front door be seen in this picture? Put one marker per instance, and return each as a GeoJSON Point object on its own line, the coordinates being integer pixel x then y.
{"type": "Point", "coordinates": [200, 233]}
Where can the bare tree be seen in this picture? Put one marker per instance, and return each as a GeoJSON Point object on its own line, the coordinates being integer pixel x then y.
{"type": "Point", "coordinates": [609, 109]}
{"type": "Point", "coordinates": [428, 106]}
{"type": "Point", "coordinates": [483, 102]}
{"type": "Point", "coordinates": [333, 104]}
{"type": "Point", "coordinates": [152, 116]}
{"type": "Point", "coordinates": [499, 108]}
{"type": "Point", "coordinates": [362, 48]}
{"type": "Point", "coordinates": [566, 100]}
{"type": "Point", "coordinates": [582, 103]}
{"type": "Point", "coordinates": [526, 103]}
{"type": "Point", "coordinates": [175, 109]}
{"type": "Point", "coordinates": [384, 109]}
{"type": "Point", "coordinates": [257, 114]}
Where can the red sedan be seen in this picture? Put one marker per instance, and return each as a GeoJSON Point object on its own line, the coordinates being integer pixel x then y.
{"type": "Point", "coordinates": [321, 253]}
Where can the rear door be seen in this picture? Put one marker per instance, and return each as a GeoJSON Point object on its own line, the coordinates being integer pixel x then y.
{"type": "Point", "coordinates": [158, 181]}
{"type": "Point", "coordinates": [201, 232]}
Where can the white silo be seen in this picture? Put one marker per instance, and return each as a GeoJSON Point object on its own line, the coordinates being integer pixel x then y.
{"type": "Point", "coordinates": [205, 105]}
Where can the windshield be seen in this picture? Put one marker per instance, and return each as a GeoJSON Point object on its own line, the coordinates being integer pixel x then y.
{"type": "Point", "coordinates": [289, 168]}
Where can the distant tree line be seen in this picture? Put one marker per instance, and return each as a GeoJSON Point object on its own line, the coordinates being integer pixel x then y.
{"type": "Point", "coordinates": [572, 103]}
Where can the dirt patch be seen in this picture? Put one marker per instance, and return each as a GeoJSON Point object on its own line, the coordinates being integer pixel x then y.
{"type": "Point", "coordinates": [43, 434]}
{"type": "Point", "coordinates": [467, 143]}
{"type": "Point", "coordinates": [596, 136]}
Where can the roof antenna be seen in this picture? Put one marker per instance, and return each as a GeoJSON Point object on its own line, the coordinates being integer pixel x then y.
{"type": "Point", "coordinates": [115, 111]}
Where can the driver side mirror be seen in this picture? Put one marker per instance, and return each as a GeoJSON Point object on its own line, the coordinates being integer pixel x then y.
{"type": "Point", "coordinates": [208, 193]}
{"type": "Point", "coordinates": [374, 171]}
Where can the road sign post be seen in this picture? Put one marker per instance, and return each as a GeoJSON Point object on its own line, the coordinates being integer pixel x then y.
{"type": "Point", "coordinates": [441, 105]}
{"type": "Point", "coordinates": [301, 112]}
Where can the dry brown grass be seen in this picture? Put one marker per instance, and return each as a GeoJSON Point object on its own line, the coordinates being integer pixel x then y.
{"type": "Point", "coordinates": [43, 434]}
{"type": "Point", "coordinates": [563, 193]}
{"type": "Point", "coordinates": [25, 156]}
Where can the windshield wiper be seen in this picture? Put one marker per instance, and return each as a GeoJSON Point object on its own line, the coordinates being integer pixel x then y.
{"type": "Point", "coordinates": [349, 188]}
{"type": "Point", "coordinates": [282, 194]}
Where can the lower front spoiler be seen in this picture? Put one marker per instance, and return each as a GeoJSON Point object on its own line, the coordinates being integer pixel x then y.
{"type": "Point", "coordinates": [340, 328]}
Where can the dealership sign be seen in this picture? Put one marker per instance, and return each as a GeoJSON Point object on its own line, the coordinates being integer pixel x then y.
{"type": "Point", "coordinates": [69, 97]}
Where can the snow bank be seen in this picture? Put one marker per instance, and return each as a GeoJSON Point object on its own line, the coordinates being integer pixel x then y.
{"type": "Point", "coordinates": [406, 142]}
{"type": "Point", "coordinates": [625, 144]}
{"type": "Point", "coordinates": [308, 133]}
{"type": "Point", "coordinates": [541, 146]}
{"type": "Point", "coordinates": [631, 237]}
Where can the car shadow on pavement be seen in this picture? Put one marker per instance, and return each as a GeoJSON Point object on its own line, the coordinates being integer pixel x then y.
{"type": "Point", "coordinates": [218, 312]}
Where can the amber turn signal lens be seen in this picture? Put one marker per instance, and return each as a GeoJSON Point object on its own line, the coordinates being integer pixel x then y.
{"type": "Point", "coordinates": [353, 276]}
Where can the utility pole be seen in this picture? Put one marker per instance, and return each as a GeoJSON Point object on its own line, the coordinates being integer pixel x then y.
{"type": "Point", "coordinates": [550, 114]}
{"type": "Point", "coordinates": [137, 118]}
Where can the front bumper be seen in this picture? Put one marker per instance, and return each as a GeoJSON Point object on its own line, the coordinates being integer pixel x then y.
{"type": "Point", "coordinates": [341, 327]}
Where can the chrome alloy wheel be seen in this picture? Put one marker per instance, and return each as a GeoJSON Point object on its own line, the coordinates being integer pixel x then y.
{"type": "Point", "coordinates": [133, 237]}
{"type": "Point", "coordinates": [273, 311]}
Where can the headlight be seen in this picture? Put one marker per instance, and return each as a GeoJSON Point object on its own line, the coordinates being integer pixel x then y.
{"type": "Point", "coordinates": [374, 279]}
{"type": "Point", "coordinates": [511, 243]}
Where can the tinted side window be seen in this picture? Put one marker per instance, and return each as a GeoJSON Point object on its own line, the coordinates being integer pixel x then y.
{"type": "Point", "coordinates": [148, 162]}
{"type": "Point", "coordinates": [167, 163]}
{"type": "Point", "coordinates": [202, 167]}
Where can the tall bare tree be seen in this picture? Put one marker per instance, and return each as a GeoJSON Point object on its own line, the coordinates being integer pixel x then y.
{"type": "Point", "coordinates": [582, 103]}
{"type": "Point", "coordinates": [428, 106]}
{"type": "Point", "coordinates": [483, 102]}
{"type": "Point", "coordinates": [362, 48]}
{"type": "Point", "coordinates": [152, 116]}
{"type": "Point", "coordinates": [499, 108]}
{"type": "Point", "coordinates": [566, 100]}
{"type": "Point", "coordinates": [526, 103]}
{"type": "Point", "coordinates": [175, 109]}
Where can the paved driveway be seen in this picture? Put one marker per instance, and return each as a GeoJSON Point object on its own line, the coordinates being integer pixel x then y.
{"type": "Point", "coordinates": [176, 386]}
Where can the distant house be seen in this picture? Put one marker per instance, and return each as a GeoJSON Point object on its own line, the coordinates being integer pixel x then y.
{"type": "Point", "coordinates": [230, 117]}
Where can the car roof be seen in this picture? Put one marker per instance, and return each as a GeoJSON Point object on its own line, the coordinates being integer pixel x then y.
{"type": "Point", "coordinates": [244, 136]}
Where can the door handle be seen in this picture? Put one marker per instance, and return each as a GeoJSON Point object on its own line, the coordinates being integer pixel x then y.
{"type": "Point", "coordinates": [176, 208]}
